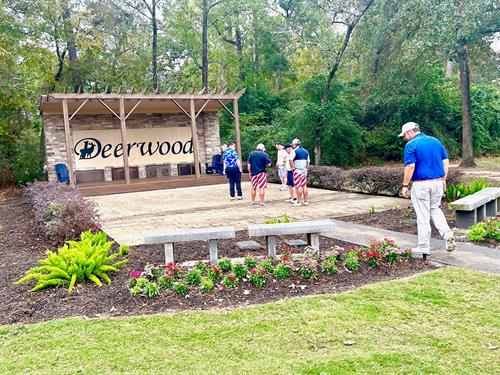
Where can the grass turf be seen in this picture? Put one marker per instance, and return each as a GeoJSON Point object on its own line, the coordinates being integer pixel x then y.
{"type": "Point", "coordinates": [441, 322]}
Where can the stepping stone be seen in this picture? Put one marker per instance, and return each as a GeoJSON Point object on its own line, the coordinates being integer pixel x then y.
{"type": "Point", "coordinates": [248, 245]}
{"type": "Point", "coordinates": [296, 243]}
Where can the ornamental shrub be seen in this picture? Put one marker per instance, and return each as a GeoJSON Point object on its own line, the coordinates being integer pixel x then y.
{"type": "Point", "coordinates": [181, 288]}
{"type": "Point", "coordinates": [240, 270]}
{"type": "Point", "coordinates": [194, 277]}
{"type": "Point", "coordinates": [230, 281]}
{"type": "Point", "coordinates": [257, 276]}
{"type": "Point", "coordinates": [484, 230]}
{"type": "Point", "coordinates": [75, 262]}
{"type": "Point", "coordinates": [207, 285]}
{"type": "Point", "coordinates": [61, 211]}
{"type": "Point", "coordinates": [225, 264]}
{"type": "Point", "coordinates": [328, 263]}
{"type": "Point", "coordinates": [308, 268]}
{"type": "Point", "coordinates": [214, 273]}
{"type": "Point", "coordinates": [351, 262]}
{"type": "Point", "coordinates": [268, 264]}
{"type": "Point", "coordinates": [283, 270]}
{"type": "Point", "coordinates": [250, 261]}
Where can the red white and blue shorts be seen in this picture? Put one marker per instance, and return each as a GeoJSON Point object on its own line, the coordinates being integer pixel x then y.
{"type": "Point", "coordinates": [299, 179]}
{"type": "Point", "coordinates": [259, 181]}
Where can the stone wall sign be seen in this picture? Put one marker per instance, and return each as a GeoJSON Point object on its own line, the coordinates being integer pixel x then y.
{"type": "Point", "coordinates": [103, 148]}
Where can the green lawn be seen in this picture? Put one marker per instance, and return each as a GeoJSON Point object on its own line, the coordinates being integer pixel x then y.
{"type": "Point", "coordinates": [441, 322]}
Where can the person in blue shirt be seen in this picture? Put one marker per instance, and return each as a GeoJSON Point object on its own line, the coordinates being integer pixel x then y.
{"type": "Point", "coordinates": [258, 160]}
{"type": "Point", "coordinates": [426, 165]}
{"type": "Point", "coordinates": [232, 168]}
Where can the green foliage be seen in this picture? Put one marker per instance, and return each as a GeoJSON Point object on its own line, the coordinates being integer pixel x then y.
{"type": "Point", "coordinates": [181, 288]}
{"type": "Point", "coordinates": [207, 285]}
{"type": "Point", "coordinates": [240, 270]}
{"type": "Point", "coordinates": [489, 229]}
{"type": "Point", "coordinates": [278, 220]}
{"type": "Point", "coordinates": [214, 273]}
{"type": "Point", "coordinates": [250, 261]}
{"type": "Point", "coordinates": [194, 277]}
{"type": "Point", "coordinates": [457, 191]}
{"type": "Point", "coordinates": [351, 262]}
{"type": "Point", "coordinates": [123, 250]}
{"type": "Point", "coordinates": [75, 262]}
{"type": "Point", "coordinates": [225, 264]}
{"type": "Point", "coordinates": [257, 276]}
{"type": "Point", "coordinates": [283, 270]}
{"type": "Point", "coordinates": [230, 281]}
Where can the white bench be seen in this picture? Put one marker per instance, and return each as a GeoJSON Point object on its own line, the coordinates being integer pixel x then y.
{"type": "Point", "coordinates": [312, 228]}
{"type": "Point", "coordinates": [476, 207]}
{"type": "Point", "coordinates": [211, 235]}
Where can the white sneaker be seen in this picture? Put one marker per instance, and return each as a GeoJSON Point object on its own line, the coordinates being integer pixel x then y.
{"type": "Point", "coordinates": [450, 244]}
{"type": "Point", "coordinates": [240, 198]}
{"type": "Point", "coordinates": [290, 200]}
{"type": "Point", "coordinates": [305, 203]}
{"type": "Point", "coordinates": [283, 188]}
{"type": "Point", "coordinates": [296, 204]}
{"type": "Point", "coordinates": [232, 198]}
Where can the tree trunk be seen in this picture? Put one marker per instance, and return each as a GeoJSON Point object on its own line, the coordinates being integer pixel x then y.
{"type": "Point", "coordinates": [239, 50]}
{"type": "Point", "coordinates": [154, 60]}
{"type": "Point", "coordinates": [467, 148]}
{"type": "Point", "coordinates": [71, 46]}
{"type": "Point", "coordinates": [204, 46]}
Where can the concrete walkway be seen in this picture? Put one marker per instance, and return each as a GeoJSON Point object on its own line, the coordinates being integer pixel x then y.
{"type": "Point", "coordinates": [466, 255]}
{"type": "Point", "coordinates": [129, 217]}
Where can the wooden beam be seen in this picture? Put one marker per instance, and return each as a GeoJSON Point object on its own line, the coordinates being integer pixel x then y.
{"type": "Point", "coordinates": [133, 109]}
{"type": "Point", "coordinates": [227, 109]}
{"type": "Point", "coordinates": [78, 109]}
{"type": "Point", "coordinates": [165, 96]}
{"type": "Point", "coordinates": [237, 127]}
{"type": "Point", "coordinates": [203, 107]}
{"type": "Point", "coordinates": [123, 129]}
{"type": "Point", "coordinates": [182, 109]}
{"type": "Point", "coordinates": [194, 133]}
{"type": "Point", "coordinates": [109, 109]}
{"type": "Point", "coordinates": [69, 146]}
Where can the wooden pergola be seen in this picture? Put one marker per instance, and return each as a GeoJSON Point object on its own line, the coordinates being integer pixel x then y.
{"type": "Point", "coordinates": [123, 105]}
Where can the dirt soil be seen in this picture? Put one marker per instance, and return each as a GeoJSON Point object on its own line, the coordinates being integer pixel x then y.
{"type": "Point", "coordinates": [404, 220]}
{"type": "Point", "coordinates": [22, 245]}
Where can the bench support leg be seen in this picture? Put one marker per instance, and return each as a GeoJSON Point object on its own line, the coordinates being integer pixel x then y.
{"type": "Point", "coordinates": [213, 251]}
{"type": "Point", "coordinates": [481, 213]}
{"type": "Point", "coordinates": [169, 253]}
{"type": "Point", "coordinates": [271, 245]}
{"type": "Point", "coordinates": [491, 208]}
{"type": "Point", "coordinates": [313, 240]}
{"type": "Point", "coordinates": [466, 218]}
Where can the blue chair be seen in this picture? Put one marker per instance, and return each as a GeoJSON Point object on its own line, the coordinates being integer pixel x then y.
{"type": "Point", "coordinates": [62, 173]}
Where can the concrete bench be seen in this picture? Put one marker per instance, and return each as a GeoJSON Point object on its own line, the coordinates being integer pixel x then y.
{"type": "Point", "coordinates": [493, 206]}
{"type": "Point", "coordinates": [211, 235]}
{"type": "Point", "coordinates": [470, 209]}
{"type": "Point", "coordinates": [312, 228]}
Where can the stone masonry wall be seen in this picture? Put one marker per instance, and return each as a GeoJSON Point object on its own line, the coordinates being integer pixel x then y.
{"type": "Point", "coordinates": [207, 125]}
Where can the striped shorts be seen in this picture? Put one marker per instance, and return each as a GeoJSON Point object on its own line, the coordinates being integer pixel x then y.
{"type": "Point", "coordinates": [299, 179]}
{"type": "Point", "coordinates": [259, 181]}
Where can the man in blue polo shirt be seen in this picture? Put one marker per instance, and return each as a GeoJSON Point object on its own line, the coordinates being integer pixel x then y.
{"type": "Point", "coordinates": [232, 168]}
{"type": "Point", "coordinates": [426, 164]}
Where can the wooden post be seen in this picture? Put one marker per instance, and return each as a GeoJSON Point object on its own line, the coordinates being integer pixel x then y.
{"type": "Point", "coordinates": [194, 133]}
{"type": "Point", "coordinates": [237, 128]}
{"type": "Point", "coordinates": [69, 146]}
{"type": "Point", "coordinates": [123, 129]}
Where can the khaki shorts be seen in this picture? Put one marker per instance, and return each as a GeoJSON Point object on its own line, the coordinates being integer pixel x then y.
{"type": "Point", "coordinates": [281, 171]}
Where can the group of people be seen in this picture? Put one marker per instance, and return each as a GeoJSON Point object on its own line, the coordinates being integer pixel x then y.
{"type": "Point", "coordinates": [426, 167]}
{"type": "Point", "coordinates": [292, 163]}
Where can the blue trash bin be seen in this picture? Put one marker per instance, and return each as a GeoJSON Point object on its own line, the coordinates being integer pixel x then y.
{"type": "Point", "coordinates": [62, 173]}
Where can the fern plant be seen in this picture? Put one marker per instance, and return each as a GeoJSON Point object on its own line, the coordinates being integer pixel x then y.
{"type": "Point", "coordinates": [75, 262]}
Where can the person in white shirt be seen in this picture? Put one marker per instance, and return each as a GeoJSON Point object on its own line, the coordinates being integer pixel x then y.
{"type": "Point", "coordinates": [280, 164]}
{"type": "Point", "coordinates": [289, 173]}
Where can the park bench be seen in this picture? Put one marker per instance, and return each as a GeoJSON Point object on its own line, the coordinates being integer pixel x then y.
{"type": "Point", "coordinates": [312, 228]}
{"type": "Point", "coordinates": [476, 207]}
{"type": "Point", "coordinates": [211, 235]}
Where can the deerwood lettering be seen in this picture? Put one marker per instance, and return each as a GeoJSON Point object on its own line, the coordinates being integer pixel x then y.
{"type": "Point", "coordinates": [90, 148]}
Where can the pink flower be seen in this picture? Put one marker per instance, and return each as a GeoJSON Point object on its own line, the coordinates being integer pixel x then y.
{"type": "Point", "coordinates": [135, 274]}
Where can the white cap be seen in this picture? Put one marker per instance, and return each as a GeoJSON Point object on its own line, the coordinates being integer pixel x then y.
{"type": "Point", "coordinates": [295, 142]}
{"type": "Point", "coordinates": [407, 127]}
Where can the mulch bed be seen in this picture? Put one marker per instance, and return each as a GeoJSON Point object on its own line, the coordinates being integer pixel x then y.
{"type": "Point", "coordinates": [22, 245]}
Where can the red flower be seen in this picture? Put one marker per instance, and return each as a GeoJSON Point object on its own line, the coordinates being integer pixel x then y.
{"type": "Point", "coordinates": [263, 272]}
{"type": "Point", "coordinates": [253, 271]}
{"type": "Point", "coordinates": [231, 277]}
{"type": "Point", "coordinates": [359, 252]}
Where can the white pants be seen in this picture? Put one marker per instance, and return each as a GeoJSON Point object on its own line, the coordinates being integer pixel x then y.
{"type": "Point", "coordinates": [426, 199]}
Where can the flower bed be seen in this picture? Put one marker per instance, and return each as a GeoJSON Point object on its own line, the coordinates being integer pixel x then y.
{"type": "Point", "coordinates": [153, 280]}
{"type": "Point", "coordinates": [61, 211]}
